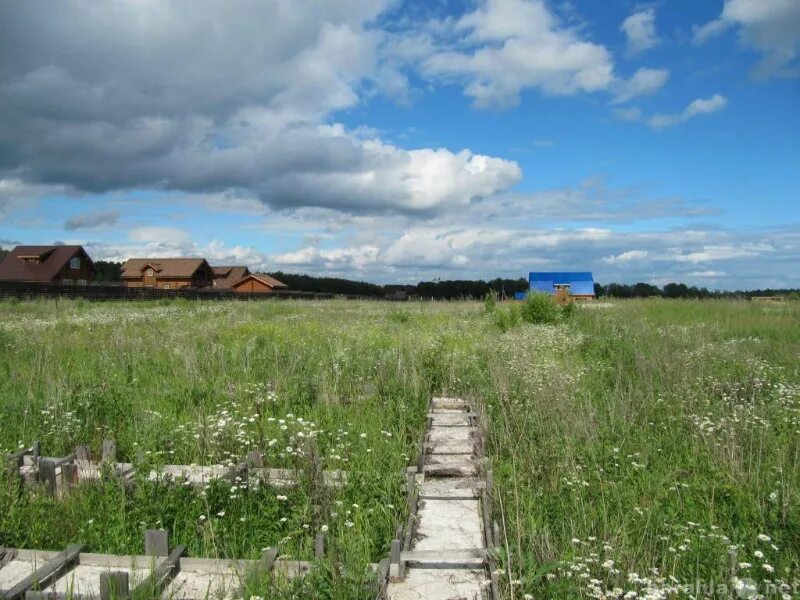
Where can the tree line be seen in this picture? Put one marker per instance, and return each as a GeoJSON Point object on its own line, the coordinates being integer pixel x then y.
{"type": "Point", "coordinates": [110, 271]}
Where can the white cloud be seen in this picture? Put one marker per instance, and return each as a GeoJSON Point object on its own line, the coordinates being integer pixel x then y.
{"type": "Point", "coordinates": [626, 257]}
{"type": "Point", "coordinates": [640, 31]}
{"type": "Point", "coordinates": [700, 106]}
{"type": "Point", "coordinates": [628, 114]}
{"type": "Point", "coordinates": [713, 253]}
{"type": "Point", "coordinates": [100, 97]}
{"type": "Point", "coordinates": [348, 259]}
{"type": "Point", "coordinates": [770, 26]}
{"type": "Point", "coordinates": [159, 234]}
{"type": "Point", "coordinates": [16, 193]}
{"type": "Point", "coordinates": [512, 45]}
{"type": "Point", "coordinates": [645, 81]}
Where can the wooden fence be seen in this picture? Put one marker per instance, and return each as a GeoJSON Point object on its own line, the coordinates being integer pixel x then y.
{"type": "Point", "coordinates": [32, 291]}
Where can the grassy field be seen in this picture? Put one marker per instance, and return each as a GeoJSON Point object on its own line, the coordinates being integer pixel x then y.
{"type": "Point", "coordinates": [647, 447]}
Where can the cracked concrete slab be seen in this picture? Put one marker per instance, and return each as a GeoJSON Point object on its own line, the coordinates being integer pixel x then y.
{"type": "Point", "coordinates": [439, 584]}
{"type": "Point", "coordinates": [449, 525]}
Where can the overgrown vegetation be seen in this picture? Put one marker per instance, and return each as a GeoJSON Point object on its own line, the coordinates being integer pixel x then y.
{"type": "Point", "coordinates": [637, 446]}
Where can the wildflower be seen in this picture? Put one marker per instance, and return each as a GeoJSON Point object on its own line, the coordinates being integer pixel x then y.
{"type": "Point", "coordinates": [201, 518]}
{"type": "Point", "coordinates": [758, 554]}
{"type": "Point", "coordinates": [280, 497]}
{"type": "Point", "coordinates": [768, 568]}
{"type": "Point", "coordinates": [324, 529]}
{"type": "Point", "coordinates": [763, 537]}
{"type": "Point", "coordinates": [745, 565]}
{"type": "Point", "coordinates": [349, 524]}
{"type": "Point", "coordinates": [221, 513]}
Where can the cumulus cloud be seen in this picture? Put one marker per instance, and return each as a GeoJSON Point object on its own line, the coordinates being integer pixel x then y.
{"type": "Point", "coordinates": [511, 45]}
{"type": "Point", "coordinates": [644, 82]}
{"type": "Point", "coordinates": [700, 106]}
{"type": "Point", "coordinates": [92, 220]}
{"type": "Point", "coordinates": [504, 47]}
{"type": "Point", "coordinates": [771, 27]}
{"type": "Point", "coordinates": [626, 257]}
{"type": "Point", "coordinates": [640, 31]}
{"type": "Point", "coordinates": [133, 95]}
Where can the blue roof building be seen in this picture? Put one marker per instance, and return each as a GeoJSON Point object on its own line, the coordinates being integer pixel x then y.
{"type": "Point", "coordinates": [580, 285]}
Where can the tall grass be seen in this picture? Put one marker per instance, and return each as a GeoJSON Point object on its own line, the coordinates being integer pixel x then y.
{"type": "Point", "coordinates": [638, 447]}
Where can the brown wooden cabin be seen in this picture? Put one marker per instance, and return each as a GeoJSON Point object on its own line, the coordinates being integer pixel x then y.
{"type": "Point", "coordinates": [167, 273]}
{"type": "Point", "coordinates": [258, 283]}
{"type": "Point", "coordinates": [225, 277]}
{"type": "Point", "coordinates": [65, 265]}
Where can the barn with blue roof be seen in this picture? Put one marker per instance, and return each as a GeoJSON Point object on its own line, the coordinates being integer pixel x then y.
{"type": "Point", "coordinates": [579, 285]}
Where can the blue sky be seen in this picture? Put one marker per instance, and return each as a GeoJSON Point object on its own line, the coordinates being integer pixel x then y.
{"type": "Point", "coordinates": [398, 141]}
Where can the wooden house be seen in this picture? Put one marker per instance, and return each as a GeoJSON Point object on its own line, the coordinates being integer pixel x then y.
{"type": "Point", "coordinates": [225, 277]}
{"type": "Point", "coordinates": [64, 265]}
{"type": "Point", "coordinates": [167, 273]}
{"type": "Point", "coordinates": [258, 283]}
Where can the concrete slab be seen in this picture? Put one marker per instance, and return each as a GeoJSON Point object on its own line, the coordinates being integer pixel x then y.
{"type": "Point", "coordinates": [450, 434]}
{"type": "Point", "coordinates": [85, 579]}
{"type": "Point", "coordinates": [196, 474]}
{"type": "Point", "coordinates": [439, 584]}
{"type": "Point", "coordinates": [205, 585]}
{"type": "Point", "coordinates": [449, 525]}
{"type": "Point", "coordinates": [453, 419]}
{"type": "Point", "coordinates": [16, 571]}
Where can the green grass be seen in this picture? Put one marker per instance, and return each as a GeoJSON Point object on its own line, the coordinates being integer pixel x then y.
{"type": "Point", "coordinates": [660, 435]}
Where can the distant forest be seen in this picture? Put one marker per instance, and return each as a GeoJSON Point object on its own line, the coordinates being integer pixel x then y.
{"type": "Point", "coordinates": [108, 271]}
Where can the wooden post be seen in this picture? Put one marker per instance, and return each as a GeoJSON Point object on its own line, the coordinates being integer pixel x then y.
{"type": "Point", "coordinates": [489, 481]}
{"type": "Point", "coordinates": [82, 453]}
{"type": "Point", "coordinates": [156, 542]}
{"type": "Point", "coordinates": [109, 451]}
{"type": "Point", "coordinates": [396, 571]}
{"type": "Point", "coordinates": [36, 450]}
{"type": "Point", "coordinates": [268, 559]}
{"type": "Point", "coordinates": [255, 459]}
{"type": "Point", "coordinates": [496, 532]}
{"type": "Point", "coordinates": [319, 546]}
{"type": "Point", "coordinates": [47, 475]}
{"type": "Point", "coordinates": [69, 476]}
{"type": "Point", "coordinates": [114, 585]}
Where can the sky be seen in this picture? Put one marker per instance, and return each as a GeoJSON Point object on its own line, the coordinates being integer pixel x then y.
{"type": "Point", "coordinates": [398, 141]}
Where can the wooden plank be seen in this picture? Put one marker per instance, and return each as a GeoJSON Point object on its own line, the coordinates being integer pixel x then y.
{"type": "Point", "coordinates": [49, 571]}
{"type": "Point", "coordinates": [160, 576]}
{"type": "Point", "coordinates": [115, 585]}
{"type": "Point", "coordinates": [47, 475]}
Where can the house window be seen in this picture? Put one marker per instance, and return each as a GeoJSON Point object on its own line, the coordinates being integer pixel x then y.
{"type": "Point", "coordinates": [66, 282]}
{"type": "Point", "coordinates": [75, 263]}
{"type": "Point", "coordinates": [166, 286]}
{"type": "Point", "coordinates": [81, 282]}
{"type": "Point", "coordinates": [149, 272]}
{"type": "Point", "coordinates": [562, 286]}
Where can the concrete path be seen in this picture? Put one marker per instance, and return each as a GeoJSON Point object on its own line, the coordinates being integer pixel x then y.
{"type": "Point", "coordinates": [446, 559]}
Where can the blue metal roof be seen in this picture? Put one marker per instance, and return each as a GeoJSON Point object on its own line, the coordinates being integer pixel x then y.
{"type": "Point", "coordinates": [580, 283]}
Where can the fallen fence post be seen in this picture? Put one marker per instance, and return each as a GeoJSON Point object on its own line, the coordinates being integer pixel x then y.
{"type": "Point", "coordinates": [160, 575]}
{"type": "Point", "coordinates": [49, 571]}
